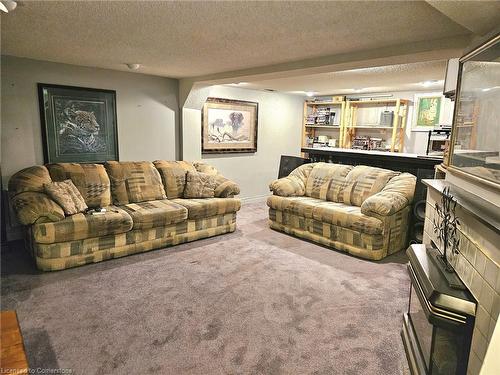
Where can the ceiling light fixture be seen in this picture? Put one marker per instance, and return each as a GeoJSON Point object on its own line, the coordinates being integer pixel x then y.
{"type": "Point", "coordinates": [429, 83]}
{"type": "Point", "coordinates": [309, 93]}
{"type": "Point", "coordinates": [358, 90]}
{"type": "Point", "coordinates": [7, 5]}
{"type": "Point", "coordinates": [486, 89]}
{"type": "Point", "coordinates": [242, 83]}
{"type": "Point", "coordinates": [133, 66]}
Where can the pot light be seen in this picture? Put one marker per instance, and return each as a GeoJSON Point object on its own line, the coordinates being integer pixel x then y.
{"type": "Point", "coordinates": [309, 93]}
{"type": "Point", "coordinates": [486, 89]}
{"type": "Point", "coordinates": [7, 5]}
{"type": "Point", "coordinates": [133, 66]}
{"type": "Point", "coordinates": [430, 83]}
{"type": "Point", "coordinates": [358, 90]}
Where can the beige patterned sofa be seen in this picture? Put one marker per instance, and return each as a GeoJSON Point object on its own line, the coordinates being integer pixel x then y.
{"type": "Point", "coordinates": [145, 210]}
{"type": "Point", "coordinates": [361, 210]}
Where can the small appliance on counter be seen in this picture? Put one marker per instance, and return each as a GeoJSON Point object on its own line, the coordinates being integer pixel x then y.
{"type": "Point", "coordinates": [368, 143]}
{"type": "Point", "coordinates": [438, 140]}
{"type": "Point", "coordinates": [386, 118]}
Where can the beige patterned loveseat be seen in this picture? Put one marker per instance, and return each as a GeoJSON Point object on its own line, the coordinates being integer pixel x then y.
{"type": "Point", "coordinates": [362, 210]}
{"type": "Point", "coordinates": [145, 209]}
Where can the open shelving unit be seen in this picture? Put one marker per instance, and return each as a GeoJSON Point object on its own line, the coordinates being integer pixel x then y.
{"type": "Point", "coordinates": [347, 125]}
{"type": "Point", "coordinates": [399, 108]}
{"type": "Point", "coordinates": [313, 122]}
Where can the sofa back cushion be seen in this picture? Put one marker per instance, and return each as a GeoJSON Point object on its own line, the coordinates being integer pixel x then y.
{"type": "Point", "coordinates": [362, 182]}
{"type": "Point", "coordinates": [134, 182]}
{"type": "Point", "coordinates": [326, 181]}
{"type": "Point", "coordinates": [91, 180]}
{"type": "Point", "coordinates": [173, 174]}
{"type": "Point", "coordinates": [205, 168]}
{"type": "Point", "coordinates": [31, 179]}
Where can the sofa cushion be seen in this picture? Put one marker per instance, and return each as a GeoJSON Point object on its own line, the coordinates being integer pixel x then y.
{"type": "Point", "coordinates": [173, 174]}
{"type": "Point", "coordinates": [326, 181]}
{"type": "Point", "coordinates": [396, 195]}
{"type": "Point", "coordinates": [66, 195]}
{"type": "Point", "coordinates": [200, 185]}
{"type": "Point", "coordinates": [34, 207]}
{"type": "Point", "coordinates": [133, 182]}
{"type": "Point", "coordinates": [90, 179]}
{"type": "Point", "coordinates": [363, 182]}
{"type": "Point", "coordinates": [29, 179]}
{"type": "Point", "coordinates": [205, 207]}
{"type": "Point", "coordinates": [205, 168]}
{"type": "Point", "coordinates": [81, 226]}
{"type": "Point", "coordinates": [347, 217]}
{"type": "Point", "coordinates": [157, 213]}
{"type": "Point", "coordinates": [225, 187]}
{"type": "Point", "coordinates": [301, 206]}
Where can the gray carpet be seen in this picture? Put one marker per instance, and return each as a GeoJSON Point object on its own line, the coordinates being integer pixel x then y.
{"type": "Point", "coordinates": [255, 301]}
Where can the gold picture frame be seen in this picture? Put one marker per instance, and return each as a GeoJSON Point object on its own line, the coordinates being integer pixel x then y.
{"type": "Point", "coordinates": [229, 126]}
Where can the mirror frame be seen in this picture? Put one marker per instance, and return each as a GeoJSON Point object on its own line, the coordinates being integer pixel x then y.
{"type": "Point", "coordinates": [488, 42]}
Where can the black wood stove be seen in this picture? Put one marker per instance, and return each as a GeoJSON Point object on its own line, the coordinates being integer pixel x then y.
{"type": "Point", "coordinates": [437, 329]}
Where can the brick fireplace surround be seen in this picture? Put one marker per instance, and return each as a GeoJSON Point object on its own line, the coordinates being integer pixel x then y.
{"type": "Point", "coordinates": [477, 261]}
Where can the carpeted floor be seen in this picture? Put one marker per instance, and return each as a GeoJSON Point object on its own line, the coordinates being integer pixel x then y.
{"type": "Point", "coordinates": [255, 301]}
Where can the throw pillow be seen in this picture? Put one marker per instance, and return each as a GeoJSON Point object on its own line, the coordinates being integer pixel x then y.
{"type": "Point", "coordinates": [200, 185]}
{"type": "Point", "coordinates": [66, 195]}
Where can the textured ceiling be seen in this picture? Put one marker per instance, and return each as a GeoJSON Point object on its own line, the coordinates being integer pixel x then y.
{"type": "Point", "coordinates": [403, 77]}
{"type": "Point", "coordinates": [185, 39]}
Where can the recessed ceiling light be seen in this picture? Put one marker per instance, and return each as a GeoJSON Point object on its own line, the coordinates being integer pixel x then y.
{"type": "Point", "coordinates": [7, 5]}
{"type": "Point", "coordinates": [358, 90]}
{"type": "Point", "coordinates": [133, 66]}
{"type": "Point", "coordinates": [430, 83]}
{"type": "Point", "coordinates": [486, 89]}
{"type": "Point", "coordinates": [309, 93]}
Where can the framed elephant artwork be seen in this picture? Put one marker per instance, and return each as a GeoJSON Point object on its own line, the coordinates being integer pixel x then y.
{"type": "Point", "coordinates": [229, 126]}
{"type": "Point", "coordinates": [78, 124]}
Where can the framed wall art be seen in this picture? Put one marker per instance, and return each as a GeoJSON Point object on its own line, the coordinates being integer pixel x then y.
{"type": "Point", "coordinates": [427, 111]}
{"type": "Point", "coordinates": [229, 126]}
{"type": "Point", "coordinates": [78, 124]}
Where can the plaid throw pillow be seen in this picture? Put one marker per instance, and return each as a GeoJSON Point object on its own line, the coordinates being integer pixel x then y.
{"type": "Point", "coordinates": [200, 185]}
{"type": "Point", "coordinates": [66, 195]}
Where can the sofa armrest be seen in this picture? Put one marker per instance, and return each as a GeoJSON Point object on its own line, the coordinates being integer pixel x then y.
{"type": "Point", "coordinates": [290, 186]}
{"type": "Point", "coordinates": [225, 187]}
{"type": "Point", "coordinates": [384, 204]}
{"type": "Point", "coordinates": [396, 195]}
{"type": "Point", "coordinates": [35, 207]}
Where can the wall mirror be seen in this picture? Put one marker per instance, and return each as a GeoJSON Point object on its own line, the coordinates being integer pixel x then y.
{"type": "Point", "coordinates": [476, 129]}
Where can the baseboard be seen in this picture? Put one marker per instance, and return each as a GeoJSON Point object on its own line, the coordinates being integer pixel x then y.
{"type": "Point", "coordinates": [255, 199]}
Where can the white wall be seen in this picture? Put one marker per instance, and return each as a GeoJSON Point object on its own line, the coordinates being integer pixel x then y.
{"type": "Point", "coordinates": [147, 110]}
{"type": "Point", "coordinates": [279, 133]}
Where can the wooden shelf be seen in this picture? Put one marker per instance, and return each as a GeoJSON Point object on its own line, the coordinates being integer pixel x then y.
{"type": "Point", "coordinates": [323, 126]}
{"type": "Point", "coordinates": [378, 101]}
{"type": "Point", "coordinates": [323, 103]}
{"type": "Point", "coordinates": [347, 117]}
{"type": "Point", "coordinates": [396, 138]}
{"type": "Point", "coordinates": [371, 127]}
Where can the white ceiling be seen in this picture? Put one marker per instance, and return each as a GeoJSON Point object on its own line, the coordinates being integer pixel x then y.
{"type": "Point", "coordinates": [403, 77]}
{"type": "Point", "coordinates": [185, 39]}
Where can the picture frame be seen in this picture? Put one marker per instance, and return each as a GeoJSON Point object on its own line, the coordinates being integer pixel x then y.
{"type": "Point", "coordinates": [229, 126]}
{"type": "Point", "coordinates": [427, 111]}
{"type": "Point", "coordinates": [79, 124]}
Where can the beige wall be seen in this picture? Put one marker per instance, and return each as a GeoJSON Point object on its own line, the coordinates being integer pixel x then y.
{"type": "Point", "coordinates": [279, 133]}
{"type": "Point", "coordinates": [147, 108]}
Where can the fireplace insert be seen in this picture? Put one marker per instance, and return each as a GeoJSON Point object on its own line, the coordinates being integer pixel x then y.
{"type": "Point", "coordinates": [437, 329]}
